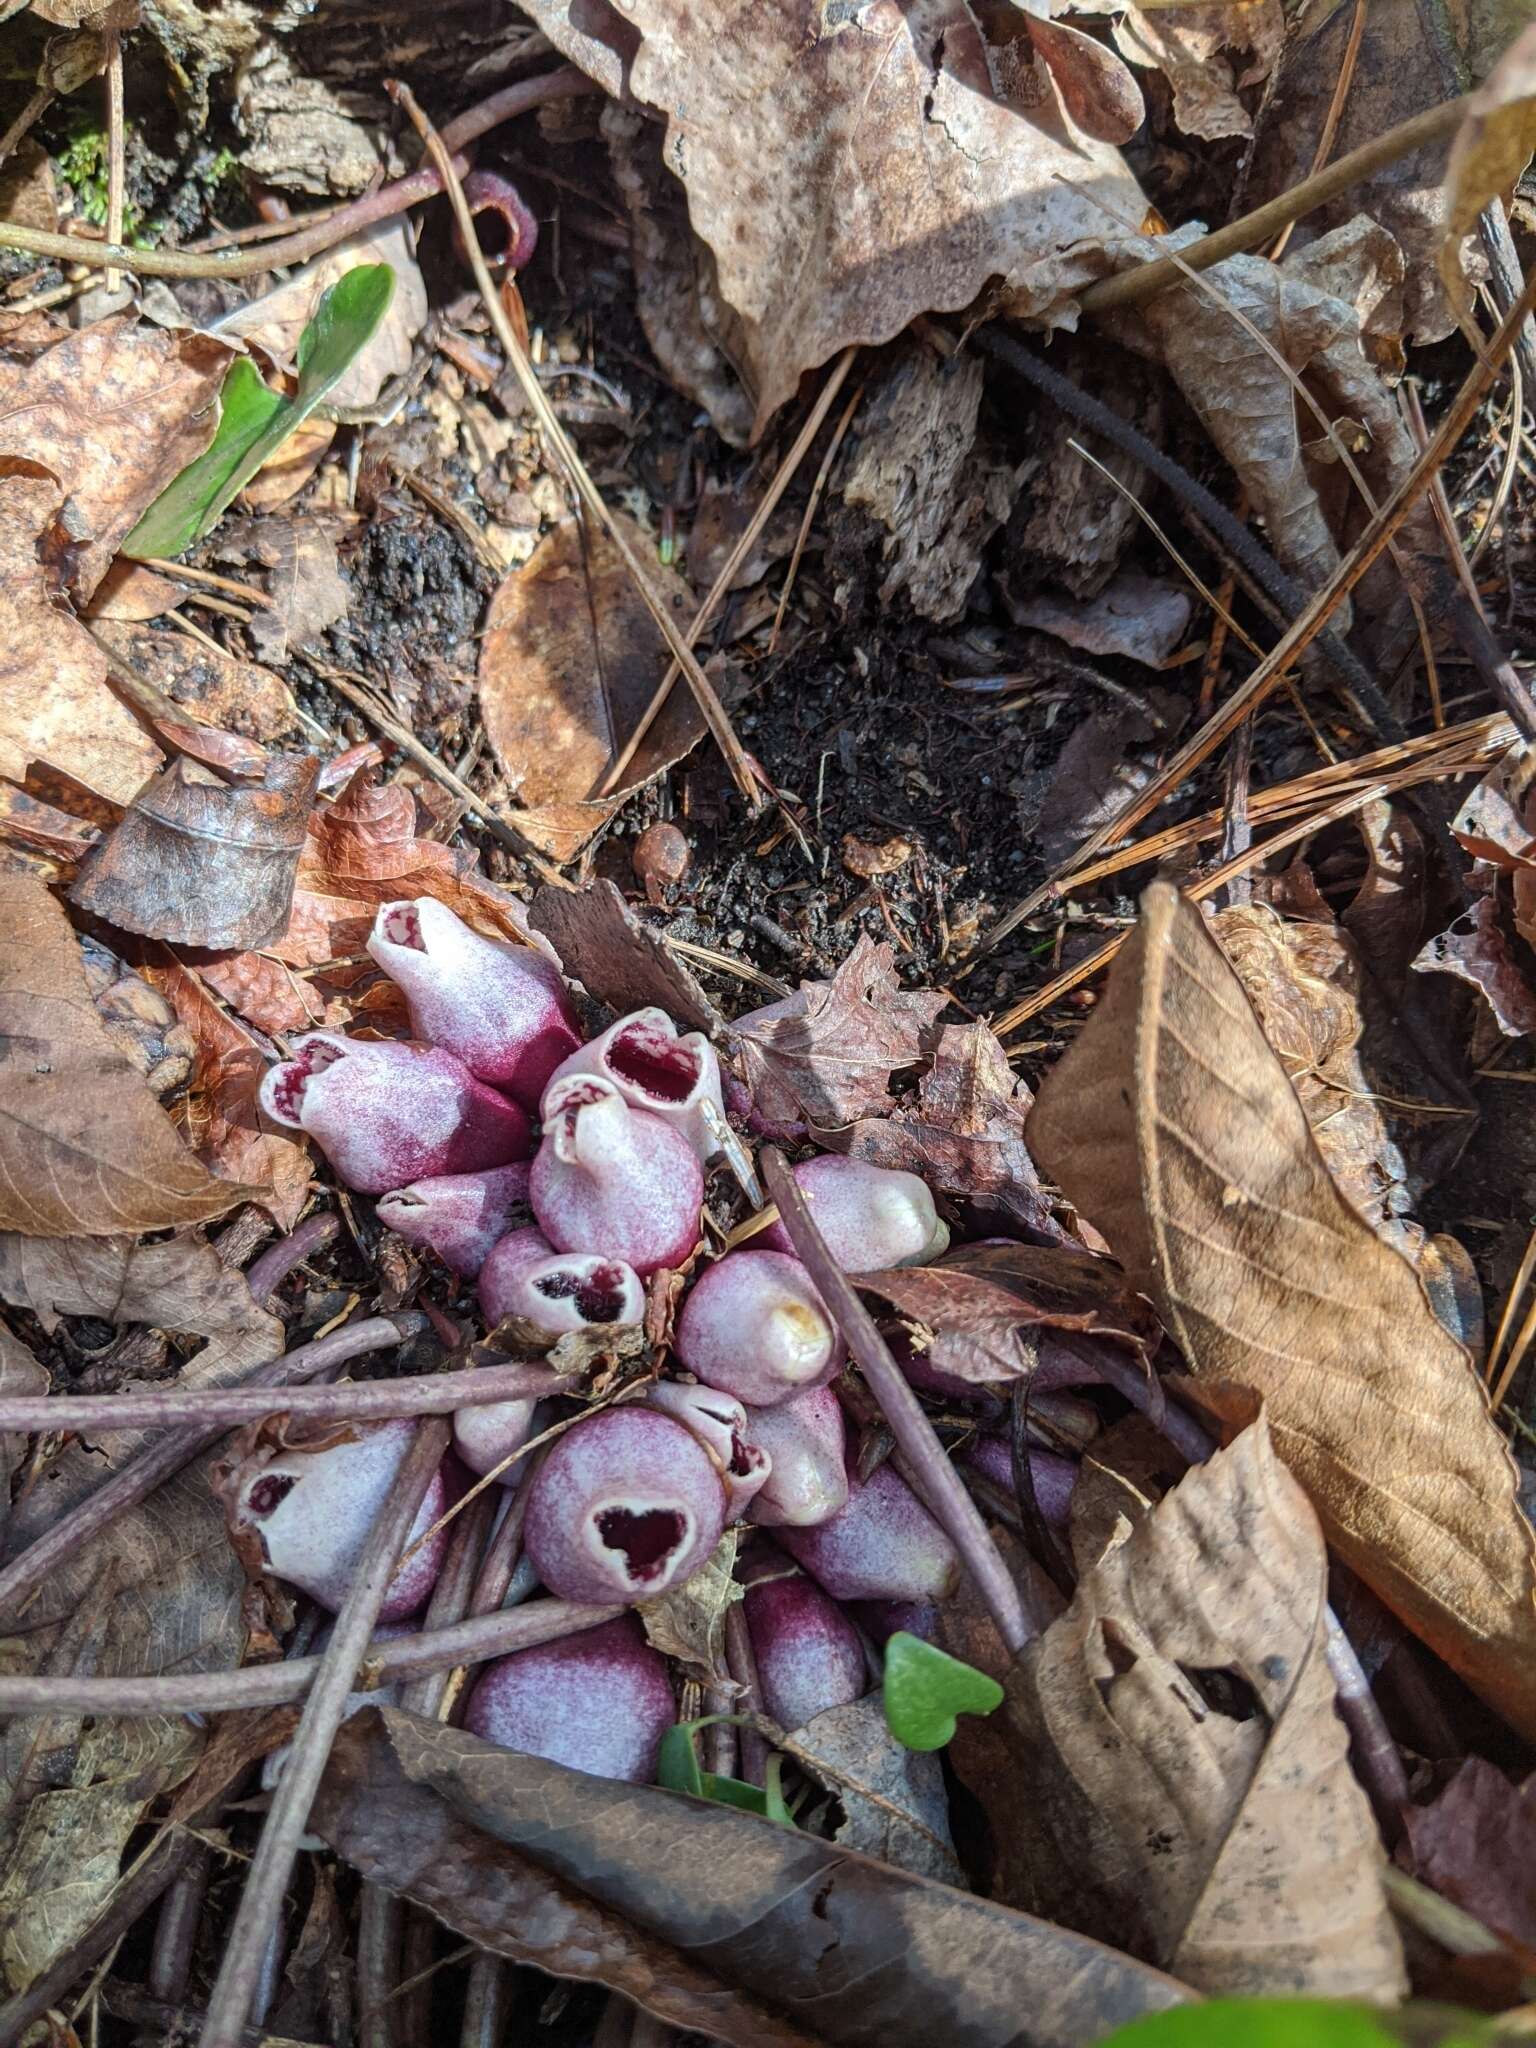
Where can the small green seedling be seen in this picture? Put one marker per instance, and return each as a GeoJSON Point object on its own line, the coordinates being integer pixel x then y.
{"type": "Point", "coordinates": [678, 1769]}
{"type": "Point", "coordinates": [925, 1689]}
{"type": "Point", "coordinates": [254, 422]}
{"type": "Point", "coordinates": [1306, 2023]}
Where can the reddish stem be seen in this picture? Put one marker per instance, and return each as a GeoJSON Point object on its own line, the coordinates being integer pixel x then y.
{"type": "Point", "coordinates": [940, 1485]}
{"type": "Point", "coordinates": [348, 1401]}
{"type": "Point", "coordinates": [140, 1477]}
{"type": "Point", "coordinates": [265, 1275]}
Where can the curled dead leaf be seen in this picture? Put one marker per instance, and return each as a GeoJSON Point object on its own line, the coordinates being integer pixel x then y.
{"type": "Point", "coordinates": [1172, 1125]}
{"type": "Point", "coordinates": [1490, 149]}
{"type": "Point", "coordinates": [1192, 1774]}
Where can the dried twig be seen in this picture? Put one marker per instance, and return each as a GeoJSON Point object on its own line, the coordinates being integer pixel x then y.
{"type": "Point", "coordinates": [261, 1900]}
{"type": "Point", "coordinates": [347, 1401]}
{"type": "Point", "coordinates": [1144, 281]}
{"type": "Point", "coordinates": [942, 1489]}
{"type": "Point", "coordinates": [140, 1477]}
{"type": "Point", "coordinates": [116, 145]}
{"type": "Point", "coordinates": [265, 1275]}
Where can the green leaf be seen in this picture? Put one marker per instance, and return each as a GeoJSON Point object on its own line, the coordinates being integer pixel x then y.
{"type": "Point", "coordinates": [677, 1768]}
{"type": "Point", "coordinates": [925, 1688]}
{"type": "Point", "coordinates": [1305, 2023]}
{"type": "Point", "coordinates": [254, 422]}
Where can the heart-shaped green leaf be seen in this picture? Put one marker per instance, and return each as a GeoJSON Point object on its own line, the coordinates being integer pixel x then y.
{"type": "Point", "coordinates": [1305, 2023]}
{"type": "Point", "coordinates": [925, 1688]}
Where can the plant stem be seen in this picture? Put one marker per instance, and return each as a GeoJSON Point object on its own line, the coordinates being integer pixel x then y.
{"type": "Point", "coordinates": [943, 1491]}
{"type": "Point", "coordinates": [265, 1275]}
{"type": "Point", "coordinates": [140, 1477]}
{"type": "Point", "coordinates": [347, 1401]}
{"type": "Point", "coordinates": [261, 1900]}
{"type": "Point", "coordinates": [389, 200]}
{"type": "Point", "coordinates": [1144, 281]}
{"type": "Point", "coordinates": [274, 1685]}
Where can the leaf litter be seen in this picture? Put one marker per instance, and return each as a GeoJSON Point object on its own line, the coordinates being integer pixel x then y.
{"type": "Point", "coordinates": [1210, 1200]}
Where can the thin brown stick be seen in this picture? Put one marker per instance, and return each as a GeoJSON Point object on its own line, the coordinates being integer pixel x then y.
{"type": "Point", "coordinates": [325, 1708]}
{"type": "Point", "coordinates": [347, 1401]}
{"type": "Point", "coordinates": [140, 1477]}
{"type": "Point", "coordinates": [941, 1487]}
{"type": "Point", "coordinates": [384, 204]}
{"type": "Point", "coordinates": [1335, 113]}
{"type": "Point", "coordinates": [451, 1597]}
{"type": "Point", "coordinates": [1144, 281]}
{"type": "Point", "coordinates": [742, 1665]}
{"type": "Point", "coordinates": [275, 1685]}
{"type": "Point", "coordinates": [718, 590]}
{"type": "Point", "coordinates": [116, 145]}
{"type": "Point", "coordinates": [705, 696]}
{"type": "Point", "coordinates": [812, 504]}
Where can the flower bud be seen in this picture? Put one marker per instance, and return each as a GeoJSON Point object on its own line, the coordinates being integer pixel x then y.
{"type": "Point", "coordinates": [386, 1114]}
{"type": "Point", "coordinates": [803, 1438]}
{"type": "Point", "coordinates": [872, 1217]}
{"type": "Point", "coordinates": [754, 1326]}
{"type": "Point", "coordinates": [614, 1177]}
{"type": "Point", "coordinates": [720, 1424]}
{"type": "Point", "coordinates": [808, 1654]}
{"type": "Point", "coordinates": [598, 1702]}
{"type": "Point", "coordinates": [1053, 1477]}
{"type": "Point", "coordinates": [489, 1432]}
{"type": "Point", "coordinates": [880, 1619]}
{"type": "Point", "coordinates": [883, 1545]}
{"type": "Point", "coordinates": [457, 1215]}
{"type": "Point", "coordinates": [313, 1512]}
{"type": "Point", "coordinates": [505, 1010]}
{"type": "Point", "coordinates": [557, 1291]}
{"type": "Point", "coordinates": [625, 1505]}
{"type": "Point", "coordinates": [654, 1068]}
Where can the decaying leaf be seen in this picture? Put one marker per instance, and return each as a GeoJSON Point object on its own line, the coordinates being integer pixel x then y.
{"type": "Point", "coordinates": [203, 864]}
{"type": "Point", "coordinates": [1491, 148]}
{"type": "Point", "coordinates": [919, 469]}
{"type": "Point", "coordinates": [980, 1302]}
{"type": "Point", "coordinates": [179, 1284]}
{"type": "Point", "coordinates": [233, 1133]}
{"type": "Point", "coordinates": [965, 1136]}
{"type": "Point", "coordinates": [21, 1377]}
{"type": "Point", "coordinates": [712, 1919]}
{"type": "Point", "coordinates": [689, 1622]}
{"type": "Point", "coordinates": [85, 1150]}
{"type": "Point", "coordinates": [1182, 1741]}
{"type": "Point", "coordinates": [893, 1800]}
{"type": "Point", "coordinates": [306, 591]}
{"type": "Point", "coordinates": [617, 959]}
{"type": "Point", "coordinates": [1142, 617]}
{"type": "Point", "coordinates": [1186, 45]}
{"type": "Point", "coordinates": [569, 659]}
{"type": "Point", "coordinates": [825, 1054]}
{"type": "Point", "coordinates": [847, 180]}
{"type": "Point", "coordinates": [210, 685]}
{"type": "Point", "coordinates": [55, 706]}
{"type": "Point", "coordinates": [1475, 950]}
{"type": "Point", "coordinates": [1172, 1125]}
{"type": "Point", "coordinates": [1475, 1843]}
{"type": "Point", "coordinates": [114, 412]}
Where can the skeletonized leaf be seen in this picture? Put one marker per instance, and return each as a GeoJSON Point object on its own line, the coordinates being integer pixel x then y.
{"type": "Point", "coordinates": [1173, 1126]}
{"type": "Point", "coordinates": [712, 1919]}
{"type": "Point", "coordinates": [85, 1150]}
{"type": "Point", "coordinates": [1192, 1773]}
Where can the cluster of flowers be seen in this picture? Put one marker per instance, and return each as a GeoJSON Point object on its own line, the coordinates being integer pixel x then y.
{"type": "Point", "coordinates": [631, 1500]}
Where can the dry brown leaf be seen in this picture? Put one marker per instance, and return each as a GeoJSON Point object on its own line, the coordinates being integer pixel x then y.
{"type": "Point", "coordinates": [1186, 45]}
{"type": "Point", "coordinates": [825, 1054]}
{"type": "Point", "coordinates": [85, 1150]}
{"type": "Point", "coordinates": [306, 591]}
{"type": "Point", "coordinates": [847, 180]}
{"type": "Point", "coordinates": [22, 1378]}
{"type": "Point", "coordinates": [714, 1921]}
{"type": "Point", "coordinates": [55, 706]}
{"type": "Point", "coordinates": [178, 1285]}
{"type": "Point", "coordinates": [114, 411]}
{"type": "Point", "coordinates": [919, 468]}
{"type": "Point", "coordinates": [619, 961]}
{"type": "Point", "coordinates": [234, 1135]}
{"type": "Point", "coordinates": [893, 1799]}
{"type": "Point", "coordinates": [1183, 1743]}
{"type": "Point", "coordinates": [569, 659]}
{"type": "Point", "coordinates": [1172, 1125]}
{"type": "Point", "coordinates": [1490, 149]}
{"type": "Point", "coordinates": [966, 1134]}
{"type": "Point", "coordinates": [131, 592]}
{"type": "Point", "coordinates": [1141, 617]}
{"type": "Point", "coordinates": [1476, 951]}
{"type": "Point", "coordinates": [1475, 1843]}
{"type": "Point", "coordinates": [200, 863]}
{"type": "Point", "coordinates": [689, 1622]}
{"type": "Point", "coordinates": [212, 687]}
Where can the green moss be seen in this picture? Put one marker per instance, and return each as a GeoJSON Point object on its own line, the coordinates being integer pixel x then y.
{"type": "Point", "coordinates": [82, 165]}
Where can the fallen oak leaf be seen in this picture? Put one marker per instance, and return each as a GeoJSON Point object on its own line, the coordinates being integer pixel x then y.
{"type": "Point", "coordinates": [85, 1150]}
{"type": "Point", "coordinates": [1172, 1125]}
{"type": "Point", "coordinates": [1179, 1730]}
{"type": "Point", "coordinates": [203, 864]}
{"type": "Point", "coordinates": [825, 1054]}
{"type": "Point", "coordinates": [711, 1919]}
